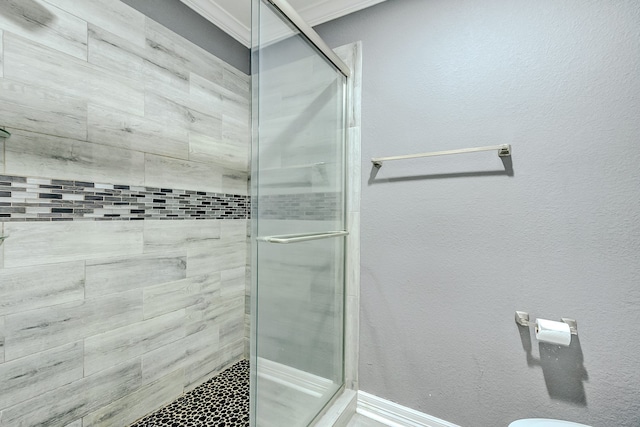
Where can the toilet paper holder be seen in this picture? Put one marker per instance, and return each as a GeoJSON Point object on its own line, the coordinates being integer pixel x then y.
{"type": "Point", "coordinates": [522, 319]}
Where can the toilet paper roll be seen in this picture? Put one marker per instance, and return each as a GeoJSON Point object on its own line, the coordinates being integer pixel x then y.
{"type": "Point", "coordinates": [553, 332]}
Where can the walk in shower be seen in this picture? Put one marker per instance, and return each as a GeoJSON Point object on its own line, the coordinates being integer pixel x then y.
{"type": "Point", "coordinates": [298, 219]}
{"type": "Point", "coordinates": [123, 216]}
{"type": "Point", "coordinates": [128, 231]}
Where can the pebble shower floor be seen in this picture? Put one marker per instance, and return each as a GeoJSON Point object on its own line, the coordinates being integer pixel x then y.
{"type": "Point", "coordinates": [223, 401]}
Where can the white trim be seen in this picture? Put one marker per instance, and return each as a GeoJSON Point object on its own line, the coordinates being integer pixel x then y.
{"type": "Point", "coordinates": [315, 14]}
{"type": "Point", "coordinates": [224, 20]}
{"type": "Point", "coordinates": [326, 11]}
{"type": "Point", "coordinates": [394, 415]}
{"type": "Point", "coordinates": [340, 412]}
{"type": "Point", "coordinates": [296, 379]}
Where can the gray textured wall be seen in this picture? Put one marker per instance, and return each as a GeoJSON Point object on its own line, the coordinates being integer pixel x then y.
{"type": "Point", "coordinates": [180, 19]}
{"type": "Point", "coordinates": [452, 246]}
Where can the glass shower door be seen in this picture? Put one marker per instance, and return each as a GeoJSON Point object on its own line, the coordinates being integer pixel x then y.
{"type": "Point", "coordinates": [298, 176]}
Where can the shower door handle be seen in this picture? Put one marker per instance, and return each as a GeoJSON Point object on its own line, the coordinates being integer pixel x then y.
{"type": "Point", "coordinates": [303, 237]}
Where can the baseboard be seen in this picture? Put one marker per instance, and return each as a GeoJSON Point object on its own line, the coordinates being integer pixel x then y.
{"type": "Point", "coordinates": [394, 415]}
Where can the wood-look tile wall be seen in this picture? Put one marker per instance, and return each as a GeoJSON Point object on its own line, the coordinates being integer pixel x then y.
{"type": "Point", "coordinates": [102, 322]}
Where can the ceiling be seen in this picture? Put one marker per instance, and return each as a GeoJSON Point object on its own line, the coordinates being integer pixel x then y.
{"type": "Point", "coordinates": [234, 16]}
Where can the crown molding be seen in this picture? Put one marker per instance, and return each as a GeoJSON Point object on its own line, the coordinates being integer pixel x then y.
{"type": "Point", "coordinates": [220, 17]}
{"type": "Point", "coordinates": [317, 13]}
{"type": "Point", "coordinates": [328, 10]}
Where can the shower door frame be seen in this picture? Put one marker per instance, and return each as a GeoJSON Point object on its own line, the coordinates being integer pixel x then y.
{"type": "Point", "coordinates": [342, 407]}
{"type": "Point", "coordinates": [347, 60]}
{"type": "Point", "coordinates": [309, 33]}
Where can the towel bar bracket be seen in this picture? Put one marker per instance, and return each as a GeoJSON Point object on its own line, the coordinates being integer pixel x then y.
{"type": "Point", "coordinates": [505, 151]}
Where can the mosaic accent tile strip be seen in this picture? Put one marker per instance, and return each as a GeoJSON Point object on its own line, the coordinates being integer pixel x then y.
{"type": "Point", "coordinates": [38, 199]}
{"type": "Point", "coordinates": [305, 206]}
{"type": "Point", "coordinates": [223, 401]}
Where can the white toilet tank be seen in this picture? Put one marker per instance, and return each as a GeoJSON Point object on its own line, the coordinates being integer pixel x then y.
{"type": "Point", "coordinates": [544, 422]}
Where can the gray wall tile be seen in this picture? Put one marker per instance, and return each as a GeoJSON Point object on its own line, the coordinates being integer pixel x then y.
{"type": "Point", "coordinates": [211, 313]}
{"type": "Point", "coordinates": [149, 111]}
{"type": "Point", "coordinates": [41, 22]}
{"type": "Point", "coordinates": [23, 378]}
{"type": "Point", "coordinates": [119, 345]}
{"type": "Point", "coordinates": [109, 275]}
{"type": "Point", "coordinates": [38, 286]}
{"type": "Point", "coordinates": [235, 182]}
{"type": "Point", "coordinates": [123, 130]}
{"type": "Point", "coordinates": [2, 334]}
{"type": "Point", "coordinates": [43, 243]}
{"type": "Point", "coordinates": [180, 294]}
{"type": "Point", "coordinates": [166, 172]}
{"type": "Point", "coordinates": [215, 256]}
{"type": "Point", "coordinates": [207, 95]}
{"type": "Point", "coordinates": [179, 235]}
{"type": "Point", "coordinates": [128, 409]}
{"type": "Point", "coordinates": [163, 45]}
{"type": "Point", "coordinates": [235, 128]}
{"type": "Point", "coordinates": [157, 69]}
{"type": "Point", "coordinates": [199, 371]}
{"type": "Point", "coordinates": [1, 55]}
{"type": "Point", "coordinates": [42, 110]}
{"type": "Point", "coordinates": [161, 362]}
{"type": "Point", "coordinates": [235, 81]}
{"type": "Point", "coordinates": [232, 328]}
{"type": "Point", "coordinates": [227, 253]}
{"type": "Point", "coordinates": [41, 329]}
{"type": "Point", "coordinates": [233, 282]}
{"type": "Point", "coordinates": [181, 111]}
{"type": "Point", "coordinates": [193, 350]}
{"type": "Point", "coordinates": [2, 233]}
{"type": "Point", "coordinates": [68, 403]}
{"type": "Point", "coordinates": [32, 63]}
{"type": "Point", "coordinates": [208, 149]}
{"type": "Point", "coordinates": [35, 154]}
{"type": "Point", "coordinates": [110, 51]}
{"type": "Point", "coordinates": [113, 16]}
{"type": "Point", "coordinates": [178, 17]}
{"type": "Point", "coordinates": [198, 349]}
